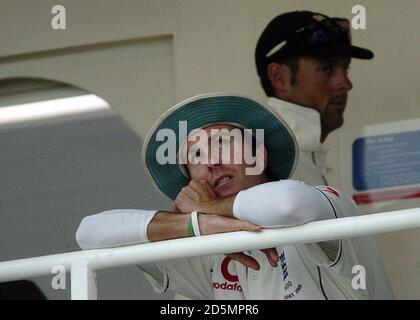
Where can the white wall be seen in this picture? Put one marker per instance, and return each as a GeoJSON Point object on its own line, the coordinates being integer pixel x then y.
{"type": "Point", "coordinates": [213, 44]}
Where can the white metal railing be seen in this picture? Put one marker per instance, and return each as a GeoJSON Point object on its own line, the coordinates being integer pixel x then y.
{"type": "Point", "coordinates": [84, 264]}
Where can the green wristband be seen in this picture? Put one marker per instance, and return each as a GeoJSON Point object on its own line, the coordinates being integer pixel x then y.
{"type": "Point", "coordinates": [193, 228]}
{"type": "Point", "coordinates": [190, 229]}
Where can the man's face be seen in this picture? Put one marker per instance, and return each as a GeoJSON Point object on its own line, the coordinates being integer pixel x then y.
{"type": "Point", "coordinates": [323, 86]}
{"type": "Point", "coordinates": [225, 178]}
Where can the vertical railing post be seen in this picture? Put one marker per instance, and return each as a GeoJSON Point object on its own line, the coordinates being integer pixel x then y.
{"type": "Point", "coordinates": [83, 282]}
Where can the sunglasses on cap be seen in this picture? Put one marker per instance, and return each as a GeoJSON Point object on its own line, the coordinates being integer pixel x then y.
{"type": "Point", "coordinates": [317, 34]}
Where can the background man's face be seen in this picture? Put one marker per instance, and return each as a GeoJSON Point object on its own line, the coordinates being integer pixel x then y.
{"type": "Point", "coordinates": [225, 179]}
{"type": "Point", "coordinates": [323, 85]}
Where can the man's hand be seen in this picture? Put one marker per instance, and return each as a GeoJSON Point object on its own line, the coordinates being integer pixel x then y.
{"type": "Point", "coordinates": [174, 208]}
{"type": "Point", "coordinates": [250, 262]}
{"type": "Point", "coordinates": [199, 195]}
{"type": "Point", "coordinates": [212, 223]}
{"type": "Point", "coordinates": [170, 225]}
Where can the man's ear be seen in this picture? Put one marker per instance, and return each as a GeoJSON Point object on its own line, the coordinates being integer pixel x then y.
{"type": "Point", "coordinates": [260, 161]}
{"type": "Point", "coordinates": [261, 157]}
{"type": "Point", "coordinates": [280, 77]}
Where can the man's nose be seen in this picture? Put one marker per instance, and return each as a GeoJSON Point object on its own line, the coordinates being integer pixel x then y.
{"type": "Point", "coordinates": [211, 165]}
{"type": "Point", "coordinates": [215, 158]}
{"type": "Point", "coordinates": [343, 82]}
{"type": "Point", "coordinates": [214, 161]}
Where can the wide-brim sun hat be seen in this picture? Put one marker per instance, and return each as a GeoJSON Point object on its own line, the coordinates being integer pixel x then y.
{"type": "Point", "coordinates": [217, 108]}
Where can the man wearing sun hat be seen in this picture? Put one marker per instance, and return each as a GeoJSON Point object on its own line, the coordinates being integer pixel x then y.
{"type": "Point", "coordinates": [302, 60]}
{"type": "Point", "coordinates": [216, 196]}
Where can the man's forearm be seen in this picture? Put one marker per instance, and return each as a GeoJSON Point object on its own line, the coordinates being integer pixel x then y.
{"type": "Point", "coordinates": [121, 227]}
{"type": "Point", "coordinates": [277, 203]}
{"type": "Point", "coordinates": [167, 225]}
{"type": "Point", "coordinates": [115, 228]}
{"type": "Point", "coordinates": [282, 203]}
{"type": "Point", "coordinates": [220, 206]}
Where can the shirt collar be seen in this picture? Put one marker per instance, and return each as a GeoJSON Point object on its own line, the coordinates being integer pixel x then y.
{"type": "Point", "coordinates": [304, 122]}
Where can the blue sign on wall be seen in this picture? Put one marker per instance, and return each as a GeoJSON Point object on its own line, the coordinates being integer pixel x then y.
{"type": "Point", "coordinates": [385, 161]}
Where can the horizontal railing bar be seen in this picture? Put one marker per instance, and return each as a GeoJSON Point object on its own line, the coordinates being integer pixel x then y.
{"type": "Point", "coordinates": [316, 231]}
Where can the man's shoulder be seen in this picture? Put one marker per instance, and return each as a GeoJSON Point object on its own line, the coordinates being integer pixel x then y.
{"type": "Point", "coordinates": [343, 205]}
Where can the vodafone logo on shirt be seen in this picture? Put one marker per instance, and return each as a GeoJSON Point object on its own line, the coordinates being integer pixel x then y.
{"type": "Point", "coordinates": [232, 283]}
{"type": "Point", "coordinates": [225, 271]}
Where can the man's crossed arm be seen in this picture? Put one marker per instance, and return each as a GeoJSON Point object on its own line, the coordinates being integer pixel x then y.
{"type": "Point", "coordinates": [281, 203]}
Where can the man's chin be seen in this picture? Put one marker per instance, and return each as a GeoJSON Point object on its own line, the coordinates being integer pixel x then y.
{"type": "Point", "coordinates": [338, 124]}
{"type": "Point", "coordinates": [332, 123]}
{"type": "Point", "coordinates": [340, 121]}
{"type": "Point", "coordinates": [226, 192]}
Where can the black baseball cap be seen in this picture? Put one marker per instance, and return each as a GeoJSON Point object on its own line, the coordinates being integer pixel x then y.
{"type": "Point", "coordinates": [305, 33]}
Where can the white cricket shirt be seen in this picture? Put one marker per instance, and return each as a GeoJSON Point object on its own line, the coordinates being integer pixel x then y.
{"type": "Point", "coordinates": [306, 126]}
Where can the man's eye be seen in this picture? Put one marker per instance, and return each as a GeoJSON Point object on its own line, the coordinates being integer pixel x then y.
{"type": "Point", "coordinates": [327, 69]}
{"type": "Point", "coordinates": [194, 154]}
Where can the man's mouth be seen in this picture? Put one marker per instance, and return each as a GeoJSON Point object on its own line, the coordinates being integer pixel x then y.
{"type": "Point", "coordinates": [340, 100]}
{"type": "Point", "coordinates": [339, 104]}
{"type": "Point", "coordinates": [221, 181]}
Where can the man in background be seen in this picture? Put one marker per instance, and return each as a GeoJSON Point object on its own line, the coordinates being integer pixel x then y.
{"type": "Point", "coordinates": [302, 59]}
